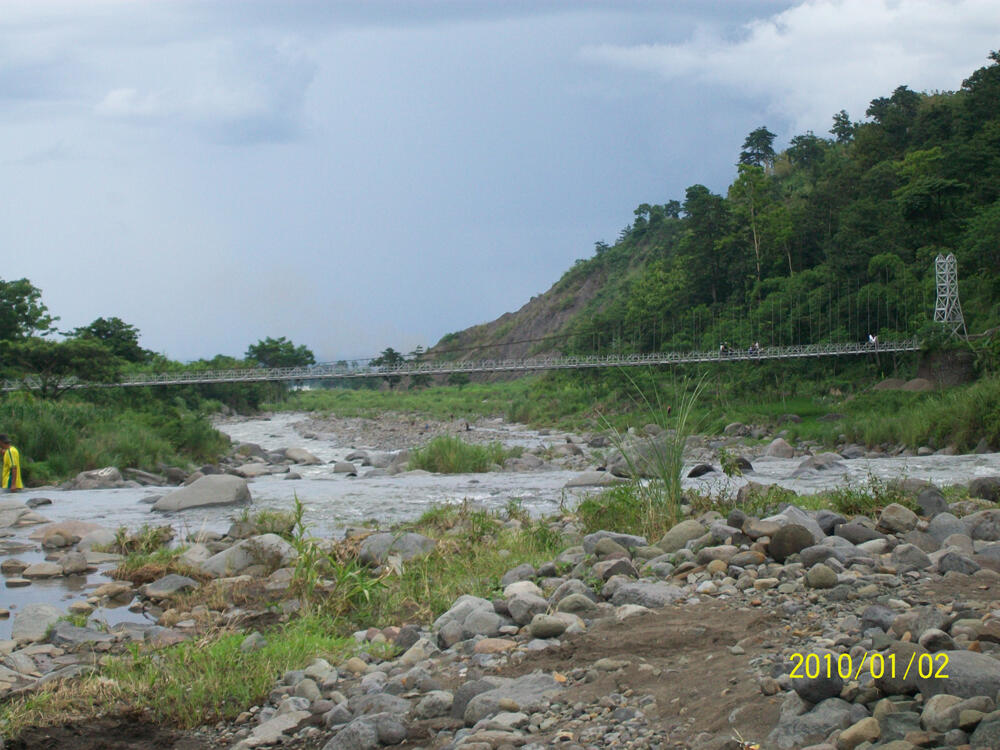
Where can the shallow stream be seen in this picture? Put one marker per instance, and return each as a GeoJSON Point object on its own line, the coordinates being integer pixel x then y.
{"type": "Point", "coordinates": [333, 501]}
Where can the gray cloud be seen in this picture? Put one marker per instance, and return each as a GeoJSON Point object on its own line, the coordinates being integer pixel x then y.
{"type": "Point", "coordinates": [811, 60]}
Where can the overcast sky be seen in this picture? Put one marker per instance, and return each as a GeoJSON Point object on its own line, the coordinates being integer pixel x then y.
{"type": "Point", "coordinates": [357, 175]}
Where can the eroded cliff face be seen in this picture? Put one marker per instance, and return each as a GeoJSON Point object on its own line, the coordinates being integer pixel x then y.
{"type": "Point", "coordinates": [533, 329]}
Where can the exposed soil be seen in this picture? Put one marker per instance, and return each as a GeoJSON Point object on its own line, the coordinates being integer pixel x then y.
{"type": "Point", "coordinates": [124, 733]}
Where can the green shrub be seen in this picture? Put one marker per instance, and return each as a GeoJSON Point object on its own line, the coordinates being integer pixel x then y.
{"type": "Point", "coordinates": [450, 455]}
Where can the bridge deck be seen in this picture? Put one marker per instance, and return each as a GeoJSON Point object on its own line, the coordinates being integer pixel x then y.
{"type": "Point", "coordinates": [333, 371]}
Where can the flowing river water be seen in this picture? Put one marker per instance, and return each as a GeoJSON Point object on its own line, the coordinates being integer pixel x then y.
{"type": "Point", "coordinates": [334, 501]}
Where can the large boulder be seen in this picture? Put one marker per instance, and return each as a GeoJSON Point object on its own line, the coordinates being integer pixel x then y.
{"type": "Point", "coordinates": [779, 448]}
{"type": "Point", "coordinates": [97, 479]}
{"type": "Point", "coordinates": [791, 514]}
{"type": "Point", "coordinates": [32, 622]}
{"type": "Point", "coordinates": [215, 489]}
{"type": "Point", "coordinates": [269, 550]}
{"type": "Point", "coordinates": [14, 513]}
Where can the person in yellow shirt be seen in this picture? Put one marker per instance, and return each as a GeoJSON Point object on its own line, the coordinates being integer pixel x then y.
{"type": "Point", "coordinates": [10, 478]}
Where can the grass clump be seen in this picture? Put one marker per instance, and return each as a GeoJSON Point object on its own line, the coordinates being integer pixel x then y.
{"type": "Point", "coordinates": [474, 549]}
{"type": "Point", "coordinates": [447, 454]}
{"type": "Point", "coordinates": [655, 504]}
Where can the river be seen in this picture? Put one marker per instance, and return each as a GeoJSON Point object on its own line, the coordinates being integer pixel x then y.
{"type": "Point", "coordinates": [333, 501]}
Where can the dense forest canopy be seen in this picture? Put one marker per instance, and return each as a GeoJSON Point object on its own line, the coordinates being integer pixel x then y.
{"type": "Point", "coordinates": [829, 240]}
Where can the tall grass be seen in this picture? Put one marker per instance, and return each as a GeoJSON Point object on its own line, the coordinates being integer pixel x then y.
{"type": "Point", "coordinates": [447, 454]}
{"type": "Point", "coordinates": [57, 439]}
{"type": "Point", "coordinates": [660, 456]}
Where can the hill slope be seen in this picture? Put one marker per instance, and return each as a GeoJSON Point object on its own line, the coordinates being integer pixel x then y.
{"type": "Point", "coordinates": [831, 239]}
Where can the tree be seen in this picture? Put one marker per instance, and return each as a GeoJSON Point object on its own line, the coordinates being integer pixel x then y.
{"type": "Point", "coordinates": [279, 353]}
{"type": "Point", "coordinates": [707, 222]}
{"type": "Point", "coordinates": [758, 148]}
{"type": "Point", "coordinates": [22, 313]}
{"type": "Point", "coordinates": [390, 360]}
{"type": "Point", "coordinates": [458, 379]}
{"type": "Point", "coordinates": [806, 151]}
{"type": "Point", "coordinates": [118, 336]}
{"type": "Point", "coordinates": [56, 365]}
{"type": "Point", "coordinates": [749, 194]}
{"type": "Point", "coordinates": [843, 129]}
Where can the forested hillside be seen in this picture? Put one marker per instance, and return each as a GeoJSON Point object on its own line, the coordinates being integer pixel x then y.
{"type": "Point", "coordinates": [831, 239]}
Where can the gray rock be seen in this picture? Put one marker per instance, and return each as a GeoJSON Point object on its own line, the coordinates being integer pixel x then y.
{"type": "Point", "coordinates": [828, 520]}
{"type": "Point", "coordinates": [910, 557]}
{"type": "Point", "coordinates": [877, 616]}
{"type": "Point", "coordinates": [269, 550]}
{"type": "Point", "coordinates": [530, 693]}
{"type": "Point", "coordinates": [65, 634]}
{"type": "Point", "coordinates": [546, 626]}
{"type": "Point", "coordinates": [360, 734]}
{"type": "Point", "coordinates": [987, 733]}
{"type": "Point", "coordinates": [821, 576]}
{"type": "Point", "coordinates": [944, 525]}
{"type": "Point", "coordinates": [375, 549]}
{"type": "Point", "coordinates": [628, 541]}
{"type": "Point", "coordinates": [969, 674]}
{"type": "Point", "coordinates": [482, 622]}
{"type": "Point", "coordinates": [374, 703]}
{"type": "Point", "coordinates": [897, 519]}
{"type": "Point", "coordinates": [594, 479]}
{"type": "Point", "coordinates": [791, 514]}
{"type": "Point", "coordinates": [681, 534]}
{"type": "Point", "coordinates": [822, 463]}
{"type": "Point", "coordinates": [524, 607]}
{"type": "Point", "coordinates": [930, 502]}
{"type": "Point", "coordinates": [33, 621]}
{"type": "Point", "coordinates": [793, 732]}
{"type": "Point", "coordinates": [466, 692]}
{"type": "Point", "coordinates": [818, 689]}
{"type": "Point", "coordinates": [572, 586]}
{"type": "Point", "coordinates": [217, 489]}
{"type": "Point", "coordinates": [857, 533]}
{"type": "Point", "coordinates": [523, 572]}
{"type": "Point", "coordinates": [955, 561]}
{"type": "Point", "coordinates": [97, 479]}
{"type": "Point", "coordinates": [779, 448]}
{"type": "Point", "coordinates": [984, 525]}
{"type": "Point", "coordinates": [988, 488]}
{"type": "Point", "coordinates": [650, 595]}
{"type": "Point", "coordinates": [461, 609]}
{"type": "Point", "coordinates": [700, 470]}
{"type": "Point", "coordinates": [43, 570]}
{"type": "Point", "coordinates": [435, 703]}
{"type": "Point", "coordinates": [168, 586]}
{"type": "Point", "coordinates": [789, 540]}
{"type": "Point", "coordinates": [301, 456]}
{"type": "Point", "coordinates": [577, 604]}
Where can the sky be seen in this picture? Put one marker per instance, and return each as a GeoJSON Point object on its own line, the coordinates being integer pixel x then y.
{"type": "Point", "coordinates": [359, 175]}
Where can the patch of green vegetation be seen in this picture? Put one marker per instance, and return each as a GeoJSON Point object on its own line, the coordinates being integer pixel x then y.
{"type": "Point", "coordinates": [61, 438]}
{"type": "Point", "coordinates": [474, 549]}
{"type": "Point", "coordinates": [200, 682]}
{"type": "Point", "coordinates": [447, 454]}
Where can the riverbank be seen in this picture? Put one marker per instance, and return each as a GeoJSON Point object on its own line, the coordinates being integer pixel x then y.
{"type": "Point", "coordinates": [308, 601]}
{"type": "Point", "coordinates": [879, 414]}
{"type": "Point", "coordinates": [497, 629]}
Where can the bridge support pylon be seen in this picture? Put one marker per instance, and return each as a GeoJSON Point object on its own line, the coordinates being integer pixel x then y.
{"type": "Point", "coordinates": [948, 307]}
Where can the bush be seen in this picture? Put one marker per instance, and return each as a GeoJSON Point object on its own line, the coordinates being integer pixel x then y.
{"type": "Point", "coordinates": [450, 455]}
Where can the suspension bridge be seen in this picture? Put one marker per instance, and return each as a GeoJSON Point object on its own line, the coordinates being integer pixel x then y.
{"type": "Point", "coordinates": [947, 312]}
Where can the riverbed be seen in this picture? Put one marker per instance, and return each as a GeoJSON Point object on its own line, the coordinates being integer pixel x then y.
{"type": "Point", "coordinates": [335, 501]}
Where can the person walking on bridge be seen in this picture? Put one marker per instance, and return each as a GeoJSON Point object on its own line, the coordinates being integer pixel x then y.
{"type": "Point", "coordinates": [10, 477]}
